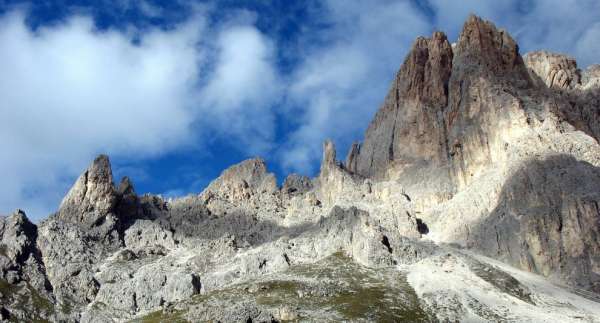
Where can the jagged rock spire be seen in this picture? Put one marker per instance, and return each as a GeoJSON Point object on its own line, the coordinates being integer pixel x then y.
{"type": "Point", "coordinates": [480, 41]}
{"type": "Point", "coordinates": [92, 196]}
{"type": "Point", "coordinates": [328, 162]}
{"type": "Point", "coordinates": [426, 70]}
{"type": "Point", "coordinates": [352, 157]}
{"type": "Point", "coordinates": [126, 186]}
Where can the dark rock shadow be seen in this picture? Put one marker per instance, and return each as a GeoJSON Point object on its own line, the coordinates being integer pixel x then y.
{"type": "Point", "coordinates": [194, 221]}
{"type": "Point", "coordinates": [547, 221]}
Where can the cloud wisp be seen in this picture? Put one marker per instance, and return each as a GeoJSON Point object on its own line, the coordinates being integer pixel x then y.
{"type": "Point", "coordinates": [567, 26]}
{"type": "Point", "coordinates": [71, 91]}
{"type": "Point", "coordinates": [338, 87]}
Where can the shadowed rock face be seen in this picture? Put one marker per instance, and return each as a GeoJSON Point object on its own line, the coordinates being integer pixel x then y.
{"type": "Point", "coordinates": [577, 92]}
{"type": "Point", "coordinates": [408, 126]}
{"type": "Point", "coordinates": [548, 221]}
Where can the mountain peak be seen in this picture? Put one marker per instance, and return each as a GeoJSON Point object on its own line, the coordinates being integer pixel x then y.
{"type": "Point", "coordinates": [92, 196]}
{"type": "Point", "coordinates": [481, 41]}
{"type": "Point", "coordinates": [406, 127]}
{"type": "Point", "coordinates": [248, 174]}
{"type": "Point", "coordinates": [425, 72]}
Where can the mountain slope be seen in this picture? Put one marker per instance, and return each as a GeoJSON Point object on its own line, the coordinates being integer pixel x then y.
{"type": "Point", "coordinates": [476, 151]}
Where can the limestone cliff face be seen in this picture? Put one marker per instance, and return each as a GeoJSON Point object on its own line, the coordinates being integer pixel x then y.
{"type": "Point", "coordinates": [446, 105]}
{"type": "Point", "coordinates": [408, 126]}
{"type": "Point", "coordinates": [548, 221]}
{"type": "Point", "coordinates": [490, 116]}
{"type": "Point", "coordinates": [554, 70]}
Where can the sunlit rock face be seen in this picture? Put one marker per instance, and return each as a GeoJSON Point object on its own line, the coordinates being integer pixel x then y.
{"type": "Point", "coordinates": [477, 186]}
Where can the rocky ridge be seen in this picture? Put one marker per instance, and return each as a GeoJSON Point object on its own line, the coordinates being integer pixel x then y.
{"type": "Point", "coordinates": [476, 151]}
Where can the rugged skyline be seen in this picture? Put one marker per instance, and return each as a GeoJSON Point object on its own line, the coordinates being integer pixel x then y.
{"type": "Point", "coordinates": [473, 196]}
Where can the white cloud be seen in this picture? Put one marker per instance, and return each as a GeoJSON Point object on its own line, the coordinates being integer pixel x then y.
{"type": "Point", "coordinates": [339, 87]}
{"type": "Point", "coordinates": [243, 87]}
{"type": "Point", "coordinates": [70, 91]}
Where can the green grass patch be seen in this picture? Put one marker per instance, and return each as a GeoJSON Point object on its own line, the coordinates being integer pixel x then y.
{"type": "Point", "coordinates": [162, 317]}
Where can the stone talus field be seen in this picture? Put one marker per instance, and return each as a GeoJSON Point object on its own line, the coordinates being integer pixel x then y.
{"type": "Point", "coordinates": [474, 196]}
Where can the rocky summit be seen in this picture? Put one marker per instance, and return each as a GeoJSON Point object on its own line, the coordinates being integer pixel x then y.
{"type": "Point", "coordinates": [474, 196]}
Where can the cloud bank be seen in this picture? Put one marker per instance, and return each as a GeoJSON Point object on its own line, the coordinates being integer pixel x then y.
{"type": "Point", "coordinates": [71, 91]}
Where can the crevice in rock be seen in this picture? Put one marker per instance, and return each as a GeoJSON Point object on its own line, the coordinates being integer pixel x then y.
{"type": "Point", "coordinates": [4, 314]}
{"type": "Point", "coordinates": [287, 259]}
{"type": "Point", "coordinates": [99, 222]}
{"type": "Point", "coordinates": [135, 305]}
{"type": "Point", "coordinates": [262, 264]}
{"type": "Point", "coordinates": [407, 197]}
{"type": "Point", "coordinates": [422, 227]}
{"type": "Point", "coordinates": [196, 283]}
{"type": "Point", "coordinates": [386, 243]}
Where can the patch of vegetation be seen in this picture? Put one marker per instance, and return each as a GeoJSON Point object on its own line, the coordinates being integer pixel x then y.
{"type": "Point", "coordinates": [162, 316]}
{"type": "Point", "coordinates": [334, 289]}
{"type": "Point", "coordinates": [7, 289]}
{"type": "Point", "coordinates": [24, 298]}
{"type": "Point", "coordinates": [66, 307]}
{"type": "Point", "coordinates": [348, 290]}
{"type": "Point", "coordinates": [40, 302]}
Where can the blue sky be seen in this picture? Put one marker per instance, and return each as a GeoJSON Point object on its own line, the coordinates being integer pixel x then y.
{"type": "Point", "coordinates": [176, 91]}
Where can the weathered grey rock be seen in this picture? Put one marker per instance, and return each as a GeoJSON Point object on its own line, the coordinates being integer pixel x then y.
{"type": "Point", "coordinates": [591, 77]}
{"type": "Point", "coordinates": [554, 70]}
{"type": "Point", "coordinates": [92, 197]}
{"type": "Point", "coordinates": [25, 292]}
{"type": "Point", "coordinates": [295, 184]}
{"type": "Point", "coordinates": [548, 221]}
{"type": "Point", "coordinates": [473, 146]}
{"type": "Point", "coordinates": [408, 127]}
{"type": "Point", "coordinates": [150, 287]}
{"type": "Point", "coordinates": [17, 244]}
{"type": "Point", "coordinates": [239, 181]}
{"type": "Point", "coordinates": [69, 255]}
{"type": "Point", "coordinates": [92, 203]}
